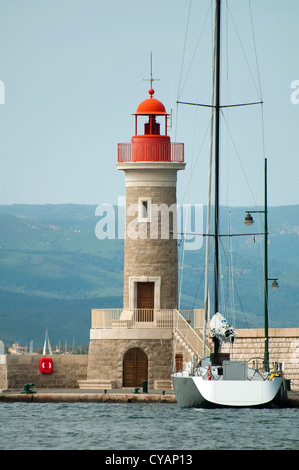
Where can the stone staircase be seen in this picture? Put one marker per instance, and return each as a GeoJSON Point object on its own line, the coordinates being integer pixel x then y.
{"type": "Point", "coordinates": [190, 340]}
{"type": "Point", "coordinates": [184, 345]}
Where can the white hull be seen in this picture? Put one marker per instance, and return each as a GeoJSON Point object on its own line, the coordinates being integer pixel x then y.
{"type": "Point", "coordinates": [198, 392]}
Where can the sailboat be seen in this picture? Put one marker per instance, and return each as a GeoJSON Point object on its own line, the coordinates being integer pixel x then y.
{"type": "Point", "coordinates": [47, 342]}
{"type": "Point", "coordinates": [215, 382]}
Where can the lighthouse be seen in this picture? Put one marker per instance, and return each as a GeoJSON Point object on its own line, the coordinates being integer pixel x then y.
{"type": "Point", "coordinates": [150, 163]}
{"type": "Point", "coordinates": [145, 340]}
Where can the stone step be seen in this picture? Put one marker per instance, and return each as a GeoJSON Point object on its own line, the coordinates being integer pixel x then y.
{"type": "Point", "coordinates": [183, 342]}
{"type": "Point", "coordinates": [163, 385]}
{"type": "Point", "coordinates": [97, 384]}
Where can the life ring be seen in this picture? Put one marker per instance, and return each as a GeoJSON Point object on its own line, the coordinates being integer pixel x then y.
{"type": "Point", "coordinates": [46, 365]}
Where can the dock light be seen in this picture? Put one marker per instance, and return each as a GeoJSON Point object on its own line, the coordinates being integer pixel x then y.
{"type": "Point", "coordinates": [248, 219]}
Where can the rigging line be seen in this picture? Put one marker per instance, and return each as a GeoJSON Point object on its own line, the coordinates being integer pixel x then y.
{"type": "Point", "coordinates": [182, 63]}
{"type": "Point", "coordinates": [189, 189]}
{"type": "Point", "coordinates": [256, 72]}
{"type": "Point", "coordinates": [227, 139]}
{"type": "Point", "coordinates": [258, 262]}
{"type": "Point", "coordinates": [176, 122]}
{"type": "Point", "coordinates": [200, 281]}
{"type": "Point", "coordinates": [186, 218]}
{"type": "Point", "coordinates": [179, 91]}
{"type": "Point", "coordinates": [262, 126]}
{"type": "Point", "coordinates": [240, 104]}
{"type": "Point", "coordinates": [237, 153]}
{"type": "Point", "coordinates": [255, 49]}
{"type": "Point", "coordinates": [189, 182]}
{"type": "Point", "coordinates": [231, 275]}
{"type": "Point", "coordinates": [262, 106]}
{"type": "Point", "coordinates": [184, 48]}
{"type": "Point", "coordinates": [193, 140]}
{"type": "Point", "coordinates": [243, 50]}
{"type": "Point", "coordinates": [229, 298]}
{"type": "Point", "coordinates": [198, 41]}
{"type": "Point", "coordinates": [235, 287]}
{"type": "Point", "coordinates": [198, 154]}
{"type": "Point", "coordinates": [198, 287]}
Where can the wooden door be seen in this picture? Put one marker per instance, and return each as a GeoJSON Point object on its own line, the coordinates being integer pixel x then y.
{"type": "Point", "coordinates": [135, 368]}
{"type": "Point", "coordinates": [178, 362]}
{"type": "Point", "coordinates": [145, 301]}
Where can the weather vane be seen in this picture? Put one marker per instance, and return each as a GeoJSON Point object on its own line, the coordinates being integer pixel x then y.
{"type": "Point", "coordinates": [151, 79]}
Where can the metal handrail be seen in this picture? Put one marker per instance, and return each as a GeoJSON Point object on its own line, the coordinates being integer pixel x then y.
{"type": "Point", "coordinates": [189, 335]}
{"type": "Point", "coordinates": [150, 318]}
{"type": "Point", "coordinates": [155, 152]}
{"type": "Point", "coordinates": [132, 318]}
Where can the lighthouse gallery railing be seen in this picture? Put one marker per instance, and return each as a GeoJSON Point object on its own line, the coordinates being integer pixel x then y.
{"type": "Point", "coordinates": [158, 151]}
{"type": "Point", "coordinates": [182, 322]}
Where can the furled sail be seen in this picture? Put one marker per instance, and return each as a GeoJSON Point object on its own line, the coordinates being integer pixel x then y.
{"type": "Point", "coordinates": [221, 329]}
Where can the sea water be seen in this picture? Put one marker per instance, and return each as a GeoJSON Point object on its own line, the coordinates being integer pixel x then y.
{"type": "Point", "coordinates": [143, 426]}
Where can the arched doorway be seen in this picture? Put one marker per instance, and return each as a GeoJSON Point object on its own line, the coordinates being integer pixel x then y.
{"type": "Point", "coordinates": [135, 368]}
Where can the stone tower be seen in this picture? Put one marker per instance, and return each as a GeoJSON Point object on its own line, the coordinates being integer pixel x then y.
{"type": "Point", "coordinates": [135, 345]}
{"type": "Point", "coordinates": [150, 163]}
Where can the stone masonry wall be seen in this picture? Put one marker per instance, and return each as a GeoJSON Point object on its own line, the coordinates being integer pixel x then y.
{"type": "Point", "coordinates": [106, 359]}
{"type": "Point", "coordinates": [149, 256]}
{"type": "Point", "coordinates": [16, 371]}
{"type": "Point", "coordinates": [249, 344]}
{"type": "Point", "coordinates": [283, 348]}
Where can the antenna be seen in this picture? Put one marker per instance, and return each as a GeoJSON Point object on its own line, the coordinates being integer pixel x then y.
{"type": "Point", "coordinates": [169, 118]}
{"type": "Point", "coordinates": [151, 79]}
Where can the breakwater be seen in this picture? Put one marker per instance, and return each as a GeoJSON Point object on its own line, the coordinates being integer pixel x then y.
{"type": "Point", "coordinates": [115, 396]}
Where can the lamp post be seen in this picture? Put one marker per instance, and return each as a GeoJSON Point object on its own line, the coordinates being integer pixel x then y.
{"type": "Point", "coordinates": [249, 221]}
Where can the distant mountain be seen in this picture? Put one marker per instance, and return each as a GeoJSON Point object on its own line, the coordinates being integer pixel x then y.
{"type": "Point", "coordinates": [54, 270]}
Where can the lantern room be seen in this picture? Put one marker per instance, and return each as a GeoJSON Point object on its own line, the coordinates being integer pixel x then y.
{"type": "Point", "coordinates": [151, 108]}
{"type": "Point", "coordinates": [152, 144]}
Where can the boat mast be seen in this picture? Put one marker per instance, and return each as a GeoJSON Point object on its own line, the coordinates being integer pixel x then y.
{"type": "Point", "coordinates": [207, 298]}
{"type": "Point", "coordinates": [217, 139]}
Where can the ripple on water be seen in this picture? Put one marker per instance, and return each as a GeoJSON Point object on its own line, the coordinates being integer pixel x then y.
{"type": "Point", "coordinates": [141, 426]}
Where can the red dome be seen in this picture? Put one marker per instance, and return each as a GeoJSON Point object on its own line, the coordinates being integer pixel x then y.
{"type": "Point", "coordinates": [151, 106]}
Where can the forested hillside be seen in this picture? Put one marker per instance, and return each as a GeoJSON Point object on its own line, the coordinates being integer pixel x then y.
{"type": "Point", "coordinates": [54, 270]}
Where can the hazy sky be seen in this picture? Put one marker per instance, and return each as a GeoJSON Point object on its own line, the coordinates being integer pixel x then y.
{"type": "Point", "coordinates": [73, 74]}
